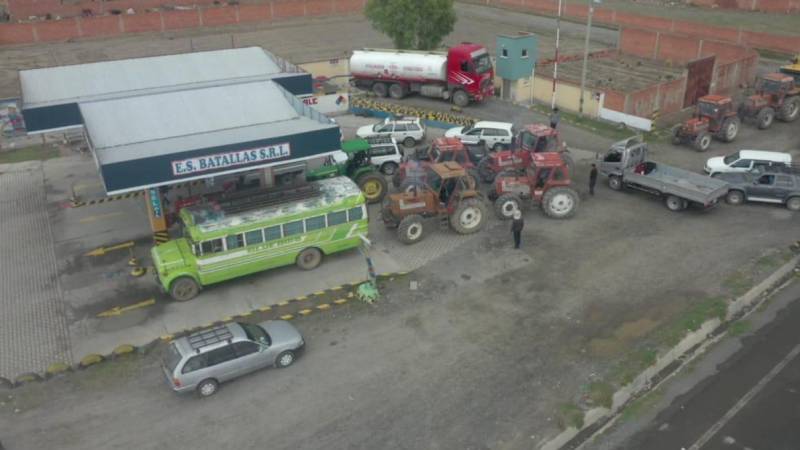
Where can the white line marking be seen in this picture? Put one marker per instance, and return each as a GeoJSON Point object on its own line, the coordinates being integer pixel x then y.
{"type": "Point", "coordinates": [745, 399]}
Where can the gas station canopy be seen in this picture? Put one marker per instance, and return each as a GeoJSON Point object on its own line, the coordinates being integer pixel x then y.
{"type": "Point", "coordinates": [51, 95]}
{"type": "Point", "coordinates": [165, 138]}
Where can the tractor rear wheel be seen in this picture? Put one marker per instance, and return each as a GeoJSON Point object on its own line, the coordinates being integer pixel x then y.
{"type": "Point", "coordinates": [730, 129]}
{"type": "Point", "coordinates": [469, 216]}
{"type": "Point", "coordinates": [765, 117]}
{"type": "Point", "coordinates": [790, 109]}
{"type": "Point", "coordinates": [560, 202]}
{"type": "Point", "coordinates": [374, 186]}
{"type": "Point", "coordinates": [411, 229]}
{"type": "Point", "coordinates": [505, 205]}
{"type": "Point", "coordinates": [380, 89]}
{"type": "Point", "coordinates": [702, 141]}
{"type": "Point", "coordinates": [475, 175]}
{"type": "Point", "coordinates": [485, 170]}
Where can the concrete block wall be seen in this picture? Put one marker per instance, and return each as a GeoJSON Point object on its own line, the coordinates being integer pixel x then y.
{"type": "Point", "coordinates": [160, 21]}
{"type": "Point", "coordinates": [609, 16]}
{"type": "Point", "coordinates": [772, 6]}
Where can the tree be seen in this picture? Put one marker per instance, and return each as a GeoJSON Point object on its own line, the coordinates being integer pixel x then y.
{"type": "Point", "coordinates": [412, 24]}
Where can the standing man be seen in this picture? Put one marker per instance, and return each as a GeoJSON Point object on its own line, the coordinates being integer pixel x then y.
{"type": "Point", "coordinates": [592, 179]}
{"type": "Point", "coordinates": [555, 117]}
{"type": "Point", "coordinates": [516, 228]}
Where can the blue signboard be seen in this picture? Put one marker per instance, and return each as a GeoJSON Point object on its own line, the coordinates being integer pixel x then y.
{"type": "Point", "coordinates": [155, 203]}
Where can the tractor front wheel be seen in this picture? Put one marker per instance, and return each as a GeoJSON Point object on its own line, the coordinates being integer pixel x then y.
{"type": "Point", "coordinates": [411, 229]}
{"type": "Point", "coordinates": [560, 202]}
{"type": "Point", "coordinates": [765, 117]}
{"type": "Point", "coordinates": [730, 129]}
{"type": "Point", "coordinates": [374, 187]}
{"type": "Point", "coordinates": [702, 141]}
{"type": "Point", "coordinates": [485, 170]}
{"type": "Point", "coordinates": [790, 109]}
{"type": "Point", "coordinates": [505, 205]}
{"type": "Point", "coordinates": [469, 216]}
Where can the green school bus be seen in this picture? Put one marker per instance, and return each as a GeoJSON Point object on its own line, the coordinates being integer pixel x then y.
{"type": "Point", "coordinates": [230, 240]}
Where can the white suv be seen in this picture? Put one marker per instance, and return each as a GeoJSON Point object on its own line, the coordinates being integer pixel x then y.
{"type": "Point", "coordinates": [745, 161]}
{"type": "Point", "coordinates": [494, 135]}
{"type": "Point", "coordinates": [384, 154]}
{"type": "Point", "coordinates": [407, 130]}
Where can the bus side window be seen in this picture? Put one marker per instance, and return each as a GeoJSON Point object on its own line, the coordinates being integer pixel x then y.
{"type": "Point", "coordinates": [337, 218]}
{"type": "Point", "coordinates": [212, 246]}
{"type": "Point", "coordinates": [315, 223]}
{"type": "Point", "coordinates": [234, 241]}
{"type": "Point", "coordinates": [355, 213]}
{"type": "Point", "coordinates": [253, 237]}
{"type": "Point", "coordinates": [272, 233]}
{"type": "Point", "coordinates": [292, 228]}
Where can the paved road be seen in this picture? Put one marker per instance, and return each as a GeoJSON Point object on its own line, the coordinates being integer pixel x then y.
{"type": "Point", "coordinates": [743, 398]}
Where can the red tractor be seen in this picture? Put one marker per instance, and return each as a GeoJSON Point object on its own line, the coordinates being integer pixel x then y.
{"type": "Point", "coordinates": [714, 116]}
{"type": "Point", "coordinates": [545, 182]}
{"type": "Point", "coordinates": [777, 96]}
{"type": "Point", "coordinates": [414, 171]}
{"type": "Point", "coordinates": [532, 139]}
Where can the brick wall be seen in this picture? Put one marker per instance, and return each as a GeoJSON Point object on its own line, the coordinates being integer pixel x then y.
{"type": "Point", "coordinates": [159, 21]}
{"type": "Point", "coordinates": [608, 16]}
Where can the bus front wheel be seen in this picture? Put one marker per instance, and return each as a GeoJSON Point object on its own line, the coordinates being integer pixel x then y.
{"type": "Point", "coordinates": [184, 289]}
{"type": "Point", "coordinates": [309, 258]}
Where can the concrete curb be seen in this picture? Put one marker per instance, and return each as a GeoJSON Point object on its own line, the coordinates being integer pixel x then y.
{"type": "Point", "coordinates": [598, 419]}
{"type": "Point", "coordinates": [338, 293]}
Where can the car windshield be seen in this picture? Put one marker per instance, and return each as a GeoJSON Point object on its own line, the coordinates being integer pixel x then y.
{"type": "Point", "coordinates": [256, 334]}
{"type": "Point", "coordinates": [730, 159]}
{"type": "Point", "coordinates": [482, 63]}
{"type": "Point", "coordinates": [466, 130]}
{"type": "Point", "coordinates": [171, 357]}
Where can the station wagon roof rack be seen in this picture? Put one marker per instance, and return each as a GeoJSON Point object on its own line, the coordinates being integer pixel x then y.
{"type": "Point", "coordinates": [380, 140]}
{"type": "Point", "coordinates": [208, 337]}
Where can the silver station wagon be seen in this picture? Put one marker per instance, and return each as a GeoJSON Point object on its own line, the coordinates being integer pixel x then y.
{"type": "Point", "coordinates": [204, 359]}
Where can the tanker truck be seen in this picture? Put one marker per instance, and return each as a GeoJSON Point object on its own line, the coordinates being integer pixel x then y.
{"type": "Point", "coordinates": [463, 74]}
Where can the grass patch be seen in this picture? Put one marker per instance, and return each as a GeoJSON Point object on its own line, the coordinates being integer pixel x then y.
{"type": "Point", "coordinates": [738, 283]}
{"type": "Point", "coordinates": [601, 394]}
{"type": "Point", "coordinates": [569, 415]}
{"type": "Point", "coordinates": [641, 405]}
{"type": "Point", "coordinates": [633, 365]}
{"type": "Point", "coordinates": [34, 153]}
{"type": "Point", "coordinates": [739, 328]}
{"type": "Point", "coordinates": [770, 262]}
{"type": "Point", "coordinates": [692, 319]}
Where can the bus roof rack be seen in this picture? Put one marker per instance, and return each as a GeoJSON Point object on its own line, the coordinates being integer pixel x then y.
{"type": "Point", "coordinates": [260, 198]}
{"type": "Point", "coordinates": [210, 336]}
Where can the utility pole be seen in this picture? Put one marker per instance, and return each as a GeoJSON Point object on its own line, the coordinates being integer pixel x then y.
{"type": "Point", "coordinates": [586, 54]}
{"type": "Point", "coordinates": [555, 65]}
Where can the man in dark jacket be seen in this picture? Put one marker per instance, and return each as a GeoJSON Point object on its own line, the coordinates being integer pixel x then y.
{"type": "Point", "coordinates": [516, 228]}
{"type": "Point", "coordinates": [592, 179]}
{"type": "Point", "coordinates": [555, 117]}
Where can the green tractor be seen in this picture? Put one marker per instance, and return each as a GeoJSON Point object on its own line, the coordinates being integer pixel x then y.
{"type": "Point", "coordinates": [353, 161]}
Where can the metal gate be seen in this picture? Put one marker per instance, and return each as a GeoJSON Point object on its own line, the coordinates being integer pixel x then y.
{"type": "Point", "coordinates": [698, 82]}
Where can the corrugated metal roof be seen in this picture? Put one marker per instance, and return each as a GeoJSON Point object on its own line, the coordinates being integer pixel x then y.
{"type": "Point", "coordinates": [113, 79]}
{"type": "Point", "coordinates": [133, 128]}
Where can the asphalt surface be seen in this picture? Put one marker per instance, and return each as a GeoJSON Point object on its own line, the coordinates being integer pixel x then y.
{"type": "Point", "coordinates": [750, 400]}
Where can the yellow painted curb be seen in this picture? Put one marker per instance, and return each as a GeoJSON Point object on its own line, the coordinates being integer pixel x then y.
{"type": "Point", "coordinates": [167, 337]}
{"type": "Point", "coordinates": [227, 319]}
{"type": "Point", "coordinates": [305, 312]}
{"type": "Point", "coordinates": [57, 368]}
{"type": "Point", "coordinates": [283, 303]}
{"type": "Point", "coordinates": [349, 295]}
{"type": "Point", "coordinates": [138, 271]}
{"type": "Point", "coordinates": [324, 306]}
{"type": "Point", "coordinates": [265, 309]}
{"type": "Point", "coordinates": [91, 359]}
{"type": "Point", "coordinates": [247, 314]}
{"type": "Point", "coordinates": [301, 298]}
{"type": "Point", "coordinates": [319, 293]}
{"type": "Point", "coordinates": [340, 301]}
{"type": "Point", "coordinates": [27, 378]}
{"type": "Point", "coordinates": [287, 317]}
{"type": "Point", "coordinates": [123, 349]}
{"type": "Point", "coordinates": [337, 288]}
